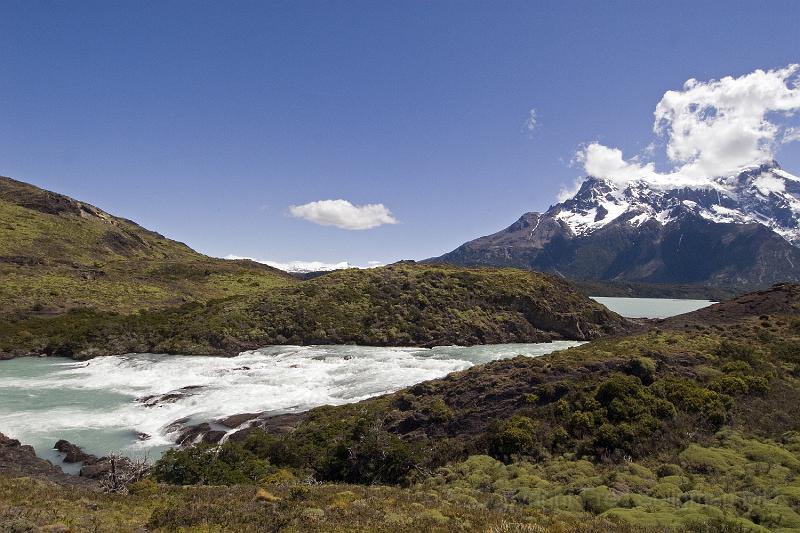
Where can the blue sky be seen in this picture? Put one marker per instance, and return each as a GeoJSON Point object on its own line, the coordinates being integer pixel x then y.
{"type": "Point", "coordinates": [207, 121]}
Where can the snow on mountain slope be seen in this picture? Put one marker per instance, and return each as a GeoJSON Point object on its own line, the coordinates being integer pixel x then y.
{"type": "Point", "coordinates": [763, 194]}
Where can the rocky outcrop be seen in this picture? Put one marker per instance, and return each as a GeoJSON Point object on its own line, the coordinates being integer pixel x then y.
{"type": "Point", "coordinates": [18, 460]}
{"type": "Point", "coordinates": [155, 400]}
{"type": "Point", "coordinates": [73, 453]}
{"type": "Point", "coordinates": [235, 421]}
{"type": "Point", "coordinates": [185, 434]}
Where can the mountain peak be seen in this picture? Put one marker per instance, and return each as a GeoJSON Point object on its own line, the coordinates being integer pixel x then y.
{"type": "Point", "coordinates": [762, 194]}
{"type": "Point", "coordinates": [734, 232]}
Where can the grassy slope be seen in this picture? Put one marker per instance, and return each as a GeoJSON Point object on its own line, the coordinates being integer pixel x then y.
{"type": "Point", "coordinates": [26, 504]}
{"type": "Point", "coordinates": [403, 304]}
{"type": "Point", "coordinates": [689, 428]}
{"type": "Point", "coordinates": [58, 254]}
{"type": "Point", "coordinates": [693, 428]}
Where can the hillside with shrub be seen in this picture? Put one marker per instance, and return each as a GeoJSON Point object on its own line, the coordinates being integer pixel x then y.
{"type": "Point", "coordinates": [692, 429]}
{"type": "Point", "coordinates": [397, 305]}
{"type": "Point", "coordinates": [79, 282]}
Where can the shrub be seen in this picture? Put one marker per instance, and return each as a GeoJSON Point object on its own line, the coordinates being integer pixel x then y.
{"type": "Point", "coordinates": [731, 385]}
{"type": "Point", "coordinates": [728, 349]}
{"type": "Point", "coordinates": [280, 476]}
{"type": "Point", "coordinates": [370, 455]}
{"type": "Point", "coordinates": [691, 398]}
{"type": "Point", "coordinates": [514, 436]}
{"type": "Point", "coordinates": [643, 368]}
{"type": "Point", "coordinates": [788, 350]}
{"type": "Point", "coordinates": [143, 487]}
{"type": "Point", "coordinates": [629, 415]}
{"type": "Point", "coordinates": [597, 500]}
{"type": "Point", "coordinates": [439, 411]}
{"type": "Point", "coordinates": [737, 367]}
{"type": "Point", "coordinates": [668, 469]}
{"type": "Point", "coordinates": [228, 464]}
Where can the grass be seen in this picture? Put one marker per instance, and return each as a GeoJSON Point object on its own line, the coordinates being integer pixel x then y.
{"type": "Point", "coordinates": [58, 254]}
{"type": "Point", "coordinates": [695, 430]}
{"type": "Point", "coordinates": [26, 504]}
{"type": "Point", "coordinates": [404, 304]}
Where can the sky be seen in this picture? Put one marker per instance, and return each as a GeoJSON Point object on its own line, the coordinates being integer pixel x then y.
{"type": "Point", "coordinates": [374, 131]}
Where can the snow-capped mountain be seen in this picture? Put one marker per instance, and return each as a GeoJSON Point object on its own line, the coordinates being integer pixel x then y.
{"type": "Point", "coordinates": [738, 232]}
{"type": "Point", "coordinates": [764, 194]}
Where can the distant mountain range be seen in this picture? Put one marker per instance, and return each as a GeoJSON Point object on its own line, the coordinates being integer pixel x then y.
{"type": "Point", "coordinates": [737, 232]}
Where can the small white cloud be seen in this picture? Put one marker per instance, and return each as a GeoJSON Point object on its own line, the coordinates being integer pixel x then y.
{"type": "Point", "coordinates": [791, 135]}
{"type": "Point", "coordinates": [532, 122]}
{"type": "Point", "coordinates": [342, 214]}
{"type": "Point", "coordinates": [712, 129]}
{"type": "Point", "coordinates": [567, 192]}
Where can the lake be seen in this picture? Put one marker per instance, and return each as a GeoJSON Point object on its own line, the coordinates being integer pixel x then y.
{"type": "Point", "coordinates": [651, 307]}
{"type": "Point", "coordinates": [94, 404]}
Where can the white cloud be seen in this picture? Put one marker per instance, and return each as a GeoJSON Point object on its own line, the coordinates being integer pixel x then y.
{"type": "Point", "coordinates": [791, 135]}
{"type": "Point", "coordinates": [711, 129]}
{"type": "Point", "coordinates": [343, 214]}
{"type": "Point", "coordinates": [602, 161]}
{"type": "Point", "coordinates": [532, 122]}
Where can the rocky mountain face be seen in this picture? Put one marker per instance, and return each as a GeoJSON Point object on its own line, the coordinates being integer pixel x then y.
{"type": "Point", "coordinates": [740, 232]}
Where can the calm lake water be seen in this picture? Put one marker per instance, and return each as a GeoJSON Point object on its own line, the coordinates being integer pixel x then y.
{"type": "Point", "coordinates": [93, 404]}
{"type": "Point", "coordinates": [651, 307]}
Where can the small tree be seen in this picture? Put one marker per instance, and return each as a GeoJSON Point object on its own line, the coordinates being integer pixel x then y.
{"type": "Point", "coordinates": [123, 472]}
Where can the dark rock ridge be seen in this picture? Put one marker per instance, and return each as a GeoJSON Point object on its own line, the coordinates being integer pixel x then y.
{"type": "Point", "coordinates": [156, 400]}
{"type": "Point", "coordinates": [735, 233]}
{"type": "Point", "coordinates": [780, 299]}
{"type": "Point", "coordinates": [20, 460]}
{"type": "Point", "coordinates": [94, 468]}
{"type": "Point", "coordinates": [73, 453]}
{"type": "Point", "coordinates": [186, 434]}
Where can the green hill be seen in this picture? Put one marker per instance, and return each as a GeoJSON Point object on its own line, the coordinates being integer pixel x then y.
{"type": "Point", "coordinates": [58, 254]}
{"type": "Point", "coordinates": [400, 305]}
{"type": "Point", "coordinates": [77, 281]}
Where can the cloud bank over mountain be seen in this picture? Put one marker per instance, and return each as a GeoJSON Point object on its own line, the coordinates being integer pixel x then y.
{"type": "Point", "coordinates": [710, 129]}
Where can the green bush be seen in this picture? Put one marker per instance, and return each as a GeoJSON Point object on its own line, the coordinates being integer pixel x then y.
{"type": "Point", "coordinates": [737, 351]}
{"type": "Point", "coordinates": [691, 398]}
{"type": "Point", "coordinates": [511, 437]}
{"type": "Point", "coordinates": [787, 350]}
{"type": "Point", "coordinates": [228, 464]}
{"type": "Point", "coordinates": [143, 487]}
{"type": "Point", "coordinates": [598, 500]}
{"type": "Point", "coordinates": [628, 413]}
{"type": "Point", "coordinates": [643, 368]}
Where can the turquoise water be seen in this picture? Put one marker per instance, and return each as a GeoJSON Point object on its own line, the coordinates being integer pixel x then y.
{"type": "Point", "coordinates": [93, 404]}
{"type": "Point", "coordinates": [651, 307]}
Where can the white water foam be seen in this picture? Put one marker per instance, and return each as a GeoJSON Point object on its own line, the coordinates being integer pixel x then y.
{"type": "Point", "coordinates": [94, 402]}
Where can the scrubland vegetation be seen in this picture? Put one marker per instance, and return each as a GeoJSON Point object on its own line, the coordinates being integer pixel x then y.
{"type": "Point", "coordinates": [675, 430]}
{"type": "Point", "coordinates": [401, 305]}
